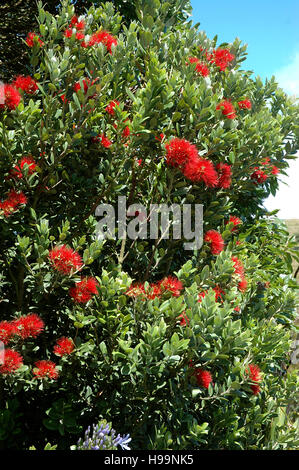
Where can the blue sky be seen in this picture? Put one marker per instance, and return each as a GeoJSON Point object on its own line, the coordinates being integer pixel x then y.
{"type": "Point", "coordinates": [270, 28]}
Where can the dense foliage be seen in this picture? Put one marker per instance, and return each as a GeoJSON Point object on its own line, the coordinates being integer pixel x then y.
{"type": "Point", "coordinates": [179, 349]}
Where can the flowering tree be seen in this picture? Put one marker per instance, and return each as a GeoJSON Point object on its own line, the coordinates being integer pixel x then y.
{"type": "Point", "coordinates": [179, 349]}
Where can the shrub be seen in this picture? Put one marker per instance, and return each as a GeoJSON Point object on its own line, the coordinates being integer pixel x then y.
{"type": "Point", "coordinates": [179, 349]}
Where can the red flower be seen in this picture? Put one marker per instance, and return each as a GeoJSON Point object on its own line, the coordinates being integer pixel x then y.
{"type": "Point", "coordinates": [218, 294]}
{"type": "Point", "coordinates": [179, 152]}
{"type": "Point", "coordinates": [103, 37]}
{"type": "Point", "coordinates": [12, 361]}
{"type": "Point", "coordinates": [184, 319]}
{"type": "Point", "coordinates": [203, 377]}
{"type": "Point", "coordinates": [254, 373]}
{"type": "Point", "coordinates": [259, 176]}
{"type": "Point", "coordinates": [126, 132]}
{"type": "Point", "coordinates": [266, 161]}
{"type": "Point", "coordinates": [235, 220]}
{"type": "Point", "coordinates": [86, 84]}
{"type": "Point", "coordinates": [110, 108]}
{"type": "Point", "coordinates": [10, 204]}
{"type": "Point", "coordinates": [30, 40]}
{"type": "Point", "coordinates": [26, 84]}
{"type": "Point", "coordinates": [83, 290]}
{"type": "Point", "coordinates": [201, 68]}
{"type": "Point", "coordinates": [171, 284]}
{"type": "Point", "coordinates": [104, 141]}
{"type": "Point", "coordinates": [75, 23]}
{"type": "Point", "coordinates": [274, 170]}
{"type": "Point", "coordinates": [17, 171]}
{"type": "Point", "coordinates": [215, 240]}
{"type": "Point", "coordinates": [136, 290]}
{"type": "Point", "coordinates": [7, 331]}
{"type": "Point", "coordinates": [240, 273]}
{"type": "Point", "coordinates": [245, 104]}
{"type": "Point", "coordinates": [63, 347]}
{"type": "Point", "coordinates": [238, 266]}
{"type": "Point", "coordinates": [198, 169]}
{"type": "Point", "coordinates": [45, 369]}
{"type": "Point", "coordinates": [80, 36]}
{"type": "Point", "coordinates": [65, 260]}
{"type": "Point", "coordinates": [9, 96]}
{"type": "Point", "coordinates": [224, 175]}
{"type": "Point", "coordinates": [68, 33]}
{"type": "Point", "coordinates": [227, 109]}
{"type": "Point", "coordinates": [221, 58]}
{"type": "Point", "coordinates": [28, 326]}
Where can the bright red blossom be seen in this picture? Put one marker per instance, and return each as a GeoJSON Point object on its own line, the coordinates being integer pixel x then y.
{"type": "Point", "coordinates": [235, 220]}
{"type": "Point", "coordinates": [103, 37]}
{"type": "Point", "coordinates": [27, 84]}
{"type": "Point", "coordinates": [254, 373]}
{"type": "Point", "coordinates": [215, 240]}
{"type": "Point", "coordinates": [9, 96]}
{"type": "Point", "coordinates": [65, 260]}
{"type": "Point", "coordinates": [179, 152]}
{"type": "Point", "coordinates": [64, 347]}
{"type": "Point", "coordinates": [12, 362]}
{"type": "Point", "coordinates": [30, 40]}
{"type": "Point", "coordinates": [224, 175]}
{"type": "Point", "coordinates": [221, 58]}
{"type": "Point", "coordinates": [203, 377]}
{"type": "Point", "coordinates": [259, 176]}
{"type": "Point", "coordinates": [110, 108]}
{"type": "Point", "coordinates": [171, 284]}
{"type": "Point", "coordinates": [201, 68]}
{"type": "Point", "coordinates": [245, 104]}
{"type": "Point", "coordinates": [18, 169]}
{"type": "Point", "coordinates": [201, 170]}
{"type": "Point", "coordinates": [28, 326]}
{"type": "Point", "coordinates": [227, 109]}
{"type": "Point", "coordinates": [7, 331]}
{"type": "Point", "coordinates": [45, 369]}
{"type": "Point", "coordinates": [184, 320]}
{"type": "Point", "coordinates": [12, 202]}
{"type": "Point", "coordinates": [83, 290]}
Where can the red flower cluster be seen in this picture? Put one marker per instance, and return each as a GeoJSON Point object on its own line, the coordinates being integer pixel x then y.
{"type": "Point", "coordinates": [17, 171]}
{"type": "Point", "coordinates": [184, 320]}
{"type": "Point", "coordinates": [9, 96]}
{"type": "Point", "coordinates": [203, 377]}
{"type": "Point", "coordinates": [104, 141]}
{"type": "Point", "coordinates": [65, 260]}
{"type": "Point", "coordinates": [30, 40]}
{"type": "Point", "coordinates": [64, 347]}
{"type": "Point", "coordinates": [7, 331]}
{"type": "Point", "coordinates": [157, 289]}
{"type": "Point", "coordinates": [219, 293]}
{"type": "Point", "coordinates": [245, 104]}
{"type": "Point", "coordinates": [28, 326]}
{"type": "Point", "coordinates": [224, 175]}
{"type": "Point", "coordinates": [44, 369]}
{"type": "Point", "coordinates": [239, 272]}
{"type": "Point", "coordinates": [110, 108]}
{"type": "Point", "coordinates": [179, 152]}
{"type": "Point", "coordinates": [183, 155]}
{"type": "Point", "coordinates": [12, 362]}
{"type": "Point", "coordinates": [255, 376]}
{"type": "Point", "coordinates": [12, 202]}
{"type": "Point", "coordinates": [227, 109]}
{"type": "Point", "coordinates": [235, 220]}
{"type": "Point", "coordinates": [221, 58]}
{"type": "Point", "coordinates": [83, 290]}
{"type": "Point", "coordinates": [75, 27]}
{"type": "Point", "coordinates": [101, 37]}
{"type": "Point", "coordinates": [201, 68]}
{"type": "Point", "coordinates": [27, 84]}
{"type": "Point", "coordinates": [215, 240]}
{"type": "Point", "coordinates": [268, 164]}
{"type": "Point", "coordinates": [259, 176]}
